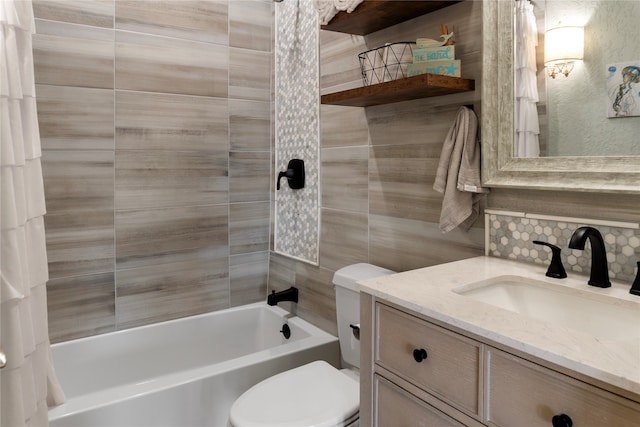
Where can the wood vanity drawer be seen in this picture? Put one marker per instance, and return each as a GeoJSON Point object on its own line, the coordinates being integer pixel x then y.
{"type": "Point", "coordinates": [395, 407]}
{"type": "Point", "coordinates": [451, 369]}
{"type": "Point", "coordinates": [523, 394]}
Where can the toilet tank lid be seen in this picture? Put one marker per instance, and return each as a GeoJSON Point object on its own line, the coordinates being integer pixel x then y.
{"type": "Point", "coordinates": [349, 275]}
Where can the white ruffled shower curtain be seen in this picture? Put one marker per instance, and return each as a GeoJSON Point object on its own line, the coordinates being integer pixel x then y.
{"type": "Point", "coordinates": [27, 382]}
{"type": "Point", "coordinates": [527, 128]}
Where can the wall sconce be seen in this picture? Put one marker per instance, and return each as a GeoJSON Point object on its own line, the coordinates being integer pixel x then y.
{"type": "Point", "coordinates": [562, 47]}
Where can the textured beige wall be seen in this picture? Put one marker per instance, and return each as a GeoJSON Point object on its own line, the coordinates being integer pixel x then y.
{"type": "Point", "coordinates": [578, 104]}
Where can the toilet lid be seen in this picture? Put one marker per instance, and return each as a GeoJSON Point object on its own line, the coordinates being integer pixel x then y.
{"type": "Point", "coordinates": [313, 395]}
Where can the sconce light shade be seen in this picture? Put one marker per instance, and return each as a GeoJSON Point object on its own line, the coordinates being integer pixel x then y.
{"type": "Point", "coordinates": [563, 46]}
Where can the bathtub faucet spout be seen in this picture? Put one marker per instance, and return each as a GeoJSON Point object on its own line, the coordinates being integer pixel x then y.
{"type": "Point", "coordinates": [290, 294]}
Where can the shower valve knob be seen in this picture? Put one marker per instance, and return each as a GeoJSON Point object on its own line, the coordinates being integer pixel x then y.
{"type": "Point", "coordinates": [294, 175]}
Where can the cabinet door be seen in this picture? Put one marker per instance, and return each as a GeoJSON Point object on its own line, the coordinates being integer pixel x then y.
{"type": "Point", "coordinates": [397, 408]}
{"type": "Point", "coordinates": [449, 367]}
{"type": "Point", "coordinates": [523, 394]}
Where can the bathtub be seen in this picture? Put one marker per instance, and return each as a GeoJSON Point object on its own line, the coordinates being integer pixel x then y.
{"type": "Point", "coordinates": [184, 372]}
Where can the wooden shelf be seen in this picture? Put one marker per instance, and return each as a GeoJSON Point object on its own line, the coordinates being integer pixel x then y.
{"type": "Point", "coordinates": [421, 86]}
{"type": "Point", "coordinates": [371, 16]}
{"type": "Point", "coordinates": [374, 15]}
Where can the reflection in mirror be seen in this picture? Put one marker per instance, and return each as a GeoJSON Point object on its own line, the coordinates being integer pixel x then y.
{"type": "Point", "coordinates": [595, 109]}
{"type": "Point", "coordinates": [527, 127]}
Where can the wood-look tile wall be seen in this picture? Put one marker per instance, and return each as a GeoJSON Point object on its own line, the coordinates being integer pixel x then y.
{"type": "Point", "coordinates": [155, 122]}
{"type": "Point", "coordinates": [378, 168]}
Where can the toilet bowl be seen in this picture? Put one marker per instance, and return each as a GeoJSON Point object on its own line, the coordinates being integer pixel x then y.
{"type": "Point", "coordinates": [316, 394]}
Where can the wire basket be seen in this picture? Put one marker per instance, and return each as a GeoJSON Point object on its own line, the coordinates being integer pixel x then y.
{"type": "Point", "coordinates": [386, 63]}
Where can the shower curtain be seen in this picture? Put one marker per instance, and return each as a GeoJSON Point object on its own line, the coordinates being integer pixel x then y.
{"type": "Point", "coordinates": [27, 381]}
{"type": "Point", "coordinates": [527, 129]}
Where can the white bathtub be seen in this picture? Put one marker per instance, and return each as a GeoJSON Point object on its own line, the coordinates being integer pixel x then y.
{"type": "Point", "coordinates": [184, 372]}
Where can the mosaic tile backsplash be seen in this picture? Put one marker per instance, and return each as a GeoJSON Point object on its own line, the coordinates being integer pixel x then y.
{"type": "Point", "coordinates": [511, 235]}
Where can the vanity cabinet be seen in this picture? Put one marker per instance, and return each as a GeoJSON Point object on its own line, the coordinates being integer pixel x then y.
{"type": "Point", "coordinates": [397, 407]}
{"type": "Point", "coordinates": [444, 364]}
{"type": "Point", "coordinates": [521, 393]}
{"type": "Point", "coordinates": [415, 372]}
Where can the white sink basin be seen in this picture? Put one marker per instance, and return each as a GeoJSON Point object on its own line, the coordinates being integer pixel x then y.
{"type": "Point", "coordinates": [601, 316]}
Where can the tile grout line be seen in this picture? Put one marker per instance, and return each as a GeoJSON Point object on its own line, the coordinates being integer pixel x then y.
{"type": "Point", "coordinates": [591, 221]}
{"type": "Point", "coordinates": [115, 257]}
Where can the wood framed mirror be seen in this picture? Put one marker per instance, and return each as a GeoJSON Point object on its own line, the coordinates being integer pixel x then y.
{"type": "Point", "coordinates": [500, 168]}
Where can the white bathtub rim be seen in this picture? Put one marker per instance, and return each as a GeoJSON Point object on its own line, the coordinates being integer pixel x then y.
{"type": "Point", "coordinates": [118, 394]}
{"type": "Point", "coordinates": [121, 393]}
{"type": "Point", "coordinates": [280, 311]}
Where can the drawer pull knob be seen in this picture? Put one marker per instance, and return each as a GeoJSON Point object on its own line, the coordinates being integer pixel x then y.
{"type": "Point", "coordinates": [419, 354]}
{"type": "Point", "coordinates": [561, 420]}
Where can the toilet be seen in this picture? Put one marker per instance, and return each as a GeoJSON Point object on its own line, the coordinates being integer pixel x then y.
{"type": "Point", "coordinates": [315, 394]}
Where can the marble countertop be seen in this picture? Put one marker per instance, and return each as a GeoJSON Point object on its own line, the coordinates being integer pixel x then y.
{"type": "Point", "coordinates": [428, 291]}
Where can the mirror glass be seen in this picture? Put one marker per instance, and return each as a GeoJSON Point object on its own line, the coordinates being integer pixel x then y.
{"type": "Point", "coordinates": [595, 110]}
{"type": "Point", "coordinates": [608, 171]}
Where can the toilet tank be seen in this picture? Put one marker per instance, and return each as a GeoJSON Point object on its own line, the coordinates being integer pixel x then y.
{"type": "Point", "coordinates": [348, 306]}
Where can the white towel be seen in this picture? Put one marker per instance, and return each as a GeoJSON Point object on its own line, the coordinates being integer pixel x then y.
{"type": "Point", "coordinates": [347, 5]}
{"type": "Point", "coordinates": [327, 9]}
{"type": "Point", "coordinates": [458, 174]}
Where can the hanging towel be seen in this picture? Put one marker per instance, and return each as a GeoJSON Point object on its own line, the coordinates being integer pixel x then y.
{"type": "Point", "coordinates": [347, 5]}
{"type": "Point", "coordinates": [327, 9]}
{"type": "Point", "coordinates": [458, 173]}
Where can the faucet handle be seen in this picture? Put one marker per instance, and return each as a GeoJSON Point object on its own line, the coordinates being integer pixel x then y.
{"type": "Point", "coordinates": [556, 269]}
{"type": "Point", "coordinates": [294, 174]}
{"type": "Point", "coordinates": [635, 288]}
